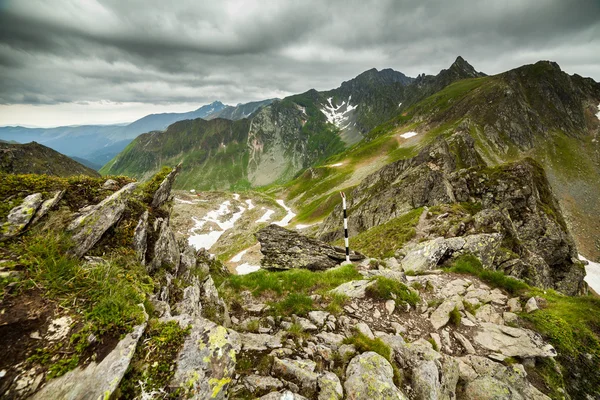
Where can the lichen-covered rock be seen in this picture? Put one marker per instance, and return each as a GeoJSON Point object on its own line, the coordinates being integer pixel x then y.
{"type": "Point", "coordinates": [330, 387]}
{"type": "Point", "coordinates": [287, 395]}
{"type": "Point", "coordinates": [426, 381]}
{"type": "Point", "coordinates": [164, 190]}
{"type": "Point", "coordinates": [89, 227]}
{"type": "Point", "coordinates": [284, 249]}
{"type": "Point", "coordinates": [95, 381]}
{"type": "Point", "coordinates": [260, 385]}
{"type": "Point", "coordinates": [140, 238]}
{"type": "Point", "coordinates": [19, 217]}
{"type": "Point", "coordinates": [166, 250]}
{"type": "Point", "coordinates": [206, 363]}
{"type": "Point", "coordinates": [441, 315]}
{"type": "Point", "coordinates": [513, 342]}
{"type": "Point", "coordinates": [110, 184]}
{"type": "Point", "coordinates": [190, 303]}
{"type": "Point", "coordinates": [369, 376]}
{"type": "Point", "coordinates": [301, 372]}
{"type": "Point", "coordinates": [261, 341]}
{"type": "Point", "coordinates": [47, 205]}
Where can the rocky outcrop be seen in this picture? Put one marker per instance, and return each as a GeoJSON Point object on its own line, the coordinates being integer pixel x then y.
{"type": "Point", "coordinates": [284, 249]}
{"type": "Point", "coordinates": [140, 238]}
{"type": "Point", "coordinates": [513, 342]}
{"type": "Point", "coordinates": [515, 224]}
{"type": "Point", "coordinates": [47, 205]}
{"type": "Point", "coordinates": [89, 227]}
{"type": "Point", "coordinates": [97, 380]}
{"type": "Point", "coordinates": [164, 190]}
{"type": "Point", "coordinates": [20, 216]}
{"type": "Point", "coordinates": [206, 363]}
{"type": "Point", "coordinates": [166, 249]}
{"type": "Point", "coordinates": [369, 376]}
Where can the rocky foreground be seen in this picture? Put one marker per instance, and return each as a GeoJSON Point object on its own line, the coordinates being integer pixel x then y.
{"type": "Point", "coordinates": [406, 327]}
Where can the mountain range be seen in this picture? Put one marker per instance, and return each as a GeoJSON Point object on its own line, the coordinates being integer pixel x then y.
{"type": "Point", "coordinates": [97, 144]}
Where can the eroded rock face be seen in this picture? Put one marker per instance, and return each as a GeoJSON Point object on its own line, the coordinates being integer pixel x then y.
{"type": "Point", "coordinates": [19, 217]}
{"type": "Point", "coordinates": [164, 190]}
{"type": "Point", "coordinates": [517, 209]}
{"type": "Point", "coordinates": [166, 250]}
{"type": "Point", "coordinates": [284, 249]}
{"type": "Point", "coordinates": [301, 372]}
{"type": "Point", "coordinates": [369, 376]}
{"type": "Point", "coordinates": [96, 381]}
{"type": "Point", "coordinates": [206, 363]}
{"type": "Point", "coordinates": [89, 227]}
{"type": "Point", "coordinates": [47, 205]}
{"type": "Point", "coordinates": [140, 236]}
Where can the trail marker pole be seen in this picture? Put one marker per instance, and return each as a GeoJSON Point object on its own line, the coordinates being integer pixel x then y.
{"type": "Point", "coordinates": [345, 227]}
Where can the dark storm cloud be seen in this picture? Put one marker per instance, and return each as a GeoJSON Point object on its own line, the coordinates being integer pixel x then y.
{"type": "Point", "coordinates": [156, 51]}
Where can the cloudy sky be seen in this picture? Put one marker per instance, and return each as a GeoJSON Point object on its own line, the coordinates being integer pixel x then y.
{"type": "Point", "coordinates": [65, 62]}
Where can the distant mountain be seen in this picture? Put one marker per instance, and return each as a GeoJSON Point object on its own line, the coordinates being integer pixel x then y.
{"type": "Point", "coordinates": [240, 111]}
{"type": "Point", "coordinates": [280, 139]}
{"type": "Point", "coordinates": [34, 158]}
{"type": "Point", "coordinates": [87, 163]}
{"type": "Point", "coordinates": [100, 143]}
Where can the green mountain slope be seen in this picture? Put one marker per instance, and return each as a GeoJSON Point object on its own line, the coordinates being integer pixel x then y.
{"type": "Point", "coordinates": [33, 158]}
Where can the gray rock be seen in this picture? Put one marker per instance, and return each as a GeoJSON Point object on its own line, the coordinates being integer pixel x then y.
{"type": "Point", "coordinates": [206, 363]}
{"type": "Point", "coordinates": [424, 256]}
{"type": "Point", "coordinates": [510, 318]}
{"type": "Point", "coordinates": [514, 305]}
{"type": "Point", "coordinates": [364, 329]}
{"type": "Point", "coordinates": [19, 217]}
{"type": "Point", "coordinates": [513, 342]}
{"type": "Point", "coordinates": [164, 190]}
{"type": "Point", "coordinates": [110, 184]}
{"type": "Point", "coordinates": [330, 387]}
{"type": "Point", "coordinates": [260, 341]}
{"type": "Point", "coordinates": [318, 317]}
{"type": "Point", "coordinates": [369, 376]}
{"type": "Point", "coordinates": [426, 381]}
{"type": "Point", "coordinates": [441, 315]}
{"type": "Point", "coordinates": [390, 306]}
{"type": "Point", "coordinates": [347, 351]}
{"type": "Point", "coordinates": [260, 385]}
{"type": "Point", "coordinates": [306, 325]}
{"type": "Point", "coordinates": [285, 249]}
{"type": "Point", "coordinates": [190, 303]}
{"type": "Point", "coordinates": [466, 344]}
{"type": "Point", "coordinates": [531, 305]}
{"type": "Point", "coordinates": [287, 395]}
{"type": "Point", "coordinates": [166, 250]}
{"type": "Point", "coordinates": [487, 313]}
{"type": "Point", "coordinates": [89, 227]}
{"type": "Point", "coordinates": [301, 372]}
{"type": "Point", "coordinates": [140, 236]}
{"type": "Point", "coordinates": [331, 338]}
{"type": "Point", "coordinates": [48, 205]}
{"type": "Point", "coordinates": [353, 289]}
{"type": "Point", "coordinates": [95, 381]}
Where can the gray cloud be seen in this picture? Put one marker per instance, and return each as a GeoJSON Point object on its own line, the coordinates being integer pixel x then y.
{"type": "Point", "coordinates": [159, 52]}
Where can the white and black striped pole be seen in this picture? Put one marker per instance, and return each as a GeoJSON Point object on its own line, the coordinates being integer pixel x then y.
{"type": "Point", "coordinates": [345, 227]}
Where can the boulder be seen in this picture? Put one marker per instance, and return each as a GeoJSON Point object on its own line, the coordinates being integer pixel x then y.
{"type": "Point", "coordinates": [285, 249]}
{"type": "Point", "coordinates": [441, 315]}
{"type": "Point", "coordinates": [301, 372]}
{"type": "Point", "coordinates": [164, 190]}
{"type": "Point", "coordinates": [206, 362]}
{"type": "Point", "coordinates": [48, 205]}
{"type": "Point", "coordinates": [318, 317]}
{"type": "Point", "coordinates": [426, 381]}
{"type": "Point", "coordinates": [89, 227]}
{"type": "Point", "coordinates": [330, 387]}
{"type": "Point", "coordinates": [19, 217]}
{"type": "Point", "coordinates": [531, 305]}
{"type": "Point", "coordinates": [140, 236]}
{"type": "Point", "coordinates": [110, 184]}
{"type": "Point", "coordinates": [95, 381]}
{"type": "Point", "coordinates": [369, 376]}
{"type": "Point", "coordinates": [513, 342]}
{"type": "Point", "coordinates": [287, 395]}
{"type": "Point", "coordinates": [260, 341]}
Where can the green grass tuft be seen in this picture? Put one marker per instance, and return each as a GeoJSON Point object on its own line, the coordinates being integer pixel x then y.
{"type": "Point", "coordinates": [388, 289]}
{"type": "Point", "coordinates": [469, 264]}
{"type": "Point", "coordinates": [455, 317]}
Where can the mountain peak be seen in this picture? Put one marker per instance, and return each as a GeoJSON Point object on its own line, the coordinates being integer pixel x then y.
{"type": "Point", "coordinates": [464, 69]}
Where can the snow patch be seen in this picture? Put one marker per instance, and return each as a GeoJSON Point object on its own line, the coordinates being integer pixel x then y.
{"type": "Point", "coordinates": [238, 257]}
{"type": "Point", "coordinates": [340, 115]}
{"type": "Point", "coordinates": [208, 239]}
{"type": "Point", "coordinates": [266, 216]}
{"type": "Point", "coordinates": [399, 104]}
{"type": "Point", "coordinates": [592, 274]}
{"type": "Point", "coordinates": [598, 115]}
{"type": "Point", "coordinates": [250, 205]}
{"type": "Point", "coordinates": [177, 199]}
{"type": "Point", "coordinates": [286, 220]}
{"type": "Point", "coordinates": [336, 165]}
{"type": "Point", "coordinates": [246, 268]}
{"type": "Point", "coordinates": [408, 135]}
{"type": "Point", "coordinates": [192, 190]}
{"type": "Point", "coordinates": [304, 226]}
{"type": "Point", "coordinates": [236, 196]}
